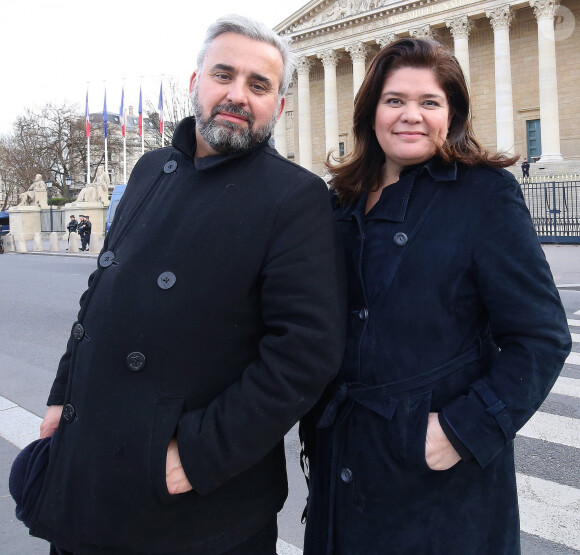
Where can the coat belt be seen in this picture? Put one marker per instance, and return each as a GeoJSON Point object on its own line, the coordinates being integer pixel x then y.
{"type": "Point", "coordinates": [380, 398]}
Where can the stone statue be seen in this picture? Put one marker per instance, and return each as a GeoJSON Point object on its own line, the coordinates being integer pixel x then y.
{"type": "Point", "coordinates": [36, 195]}
{"type": "Point", "coordinates": [98, 190]}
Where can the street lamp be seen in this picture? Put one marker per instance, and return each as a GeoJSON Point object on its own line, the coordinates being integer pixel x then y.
{"type": "Point", "coordinates": [68, 180]}
{"type": "Point", "coordinates": [49, 188]}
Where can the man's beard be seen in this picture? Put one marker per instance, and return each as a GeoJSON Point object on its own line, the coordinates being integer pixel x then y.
{"type": "Point", "coordinates": [228, 137]}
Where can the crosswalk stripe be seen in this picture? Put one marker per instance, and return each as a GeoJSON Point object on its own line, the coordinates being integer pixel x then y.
{"type": "Point", "coordinates": [575, 337]}
{"type": "Point", "coordinates": [573, 358]}
{"type": "Point", "coordinates": [285, 548]}
{"type": "Point", "coordinates": [549, 510]}
{"type": "Point", "coordinates": [573, 322]}
{"type": "Point", "coordinates": [553, 428]}
{"type": "Point", "coordinates": [567, 386]}
{"type": "Point", "coordinates": [577, 312]}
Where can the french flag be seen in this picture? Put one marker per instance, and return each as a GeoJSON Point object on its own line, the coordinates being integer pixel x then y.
{"type": "Point", "coordinates": [105, 115]}
{"type": "Point", "coordinates": [160, 108]}
{"type": "Point", "coordinates": [140, 113]}
{"type": "Point", "coordinates": [122, 112]}
{"type": "Point", "coordinates": [87, 122]}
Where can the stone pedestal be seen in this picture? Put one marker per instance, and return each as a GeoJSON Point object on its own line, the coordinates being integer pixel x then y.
{"type": "Point", "coordinates": [25, 221]}
{"type": "Point", "coordinates": [96, 212]}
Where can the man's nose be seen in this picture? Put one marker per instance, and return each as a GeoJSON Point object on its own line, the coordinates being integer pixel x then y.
{"type": "Point", "coordinates": [237, 93]}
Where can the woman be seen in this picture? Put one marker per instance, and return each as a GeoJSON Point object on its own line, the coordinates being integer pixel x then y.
{"type": "Point", "coordinates": [456, 331]}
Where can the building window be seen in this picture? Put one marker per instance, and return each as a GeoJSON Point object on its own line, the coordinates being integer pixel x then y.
{"type": "Point", "coordinates": [341, 149]}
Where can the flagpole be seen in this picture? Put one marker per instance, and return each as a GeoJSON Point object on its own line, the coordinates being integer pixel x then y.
{"type": "Point", "coordinates": [88, 134]}
{"type": "Point", "coordinates": [161, 122]}
{"type": "Point", "coordinates": [124, 151]}
{"type": "Point", "coordinates": [141, 118]}
{"type": "Point", "coordinates": [105, 119]}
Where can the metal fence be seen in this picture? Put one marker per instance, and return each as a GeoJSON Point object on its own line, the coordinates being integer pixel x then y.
{"type": "Point", "coordinates": [58, 223]}
{"type": "Point", "coordinates": [554, 204]}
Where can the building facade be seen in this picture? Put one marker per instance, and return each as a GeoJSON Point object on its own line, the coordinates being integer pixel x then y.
{"type": "Point", "coordinates": [521, 60]}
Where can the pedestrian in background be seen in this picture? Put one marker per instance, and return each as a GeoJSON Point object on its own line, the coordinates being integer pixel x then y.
{"type": "Point", "coordinates": [72, 226]}
{"type": "Point", "coordinates": [456, 332]}
{"type": "Point", "coordinates": [213, 323]}
{"type": "Point", "coordinates": [84, 230]}
{"type": "Point", "coordinates": [525, 168]}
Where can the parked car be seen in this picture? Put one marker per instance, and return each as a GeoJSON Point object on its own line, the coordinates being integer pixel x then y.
{"type": "Point", "coordinates": [116, 196]}
{"type": "Point", "coordinates": [4, 223]}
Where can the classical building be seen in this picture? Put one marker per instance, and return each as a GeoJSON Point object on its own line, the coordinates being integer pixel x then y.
{"type": "Point", "coordinates": [521, 60]}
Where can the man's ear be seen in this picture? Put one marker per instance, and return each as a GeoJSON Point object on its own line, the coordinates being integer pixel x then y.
{"type": "Point", "coordinates": [192, 82]}
{"type": "Point", "coordinates": [281, 108]}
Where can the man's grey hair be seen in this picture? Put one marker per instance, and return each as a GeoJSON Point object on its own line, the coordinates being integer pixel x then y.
{"type": "Point", "coordinates": [255, 30]}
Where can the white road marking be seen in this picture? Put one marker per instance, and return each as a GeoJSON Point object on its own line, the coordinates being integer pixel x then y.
{"type": "Point", "coordinates": [567, 386]}
{"type": "Point", "coordinates": [575, 337]}
{"type": "Point", "coordinates": [573, 322]}
{"type": "Point", "coordinates": [573, 358]}
{"type": "Point", "coordinates": [549, 510]}
{"type": "Point", "coordinates": [553, 428]}
{"type": "Point", "coordinates": [284, 548]}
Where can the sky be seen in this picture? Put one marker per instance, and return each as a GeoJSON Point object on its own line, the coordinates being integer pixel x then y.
{"type": "Point", "coordinates": [53, 50]}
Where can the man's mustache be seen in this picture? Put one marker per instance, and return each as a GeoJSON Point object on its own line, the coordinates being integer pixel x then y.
{"type": "Point", "coordinates": [232, 109]}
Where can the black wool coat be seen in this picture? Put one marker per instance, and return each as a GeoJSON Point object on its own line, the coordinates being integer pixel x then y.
{"type": "Point", "coordinates": [214, 317]}
{"type": "Point", "coordinates": [452, 309]}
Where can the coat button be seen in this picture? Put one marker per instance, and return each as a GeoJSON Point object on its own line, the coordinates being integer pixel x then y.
{"type": "Point", "coordinates": [363, 313]}
{"type": "Point", "coordinates": [78, 332]}
{"type": "Point", "coordinates": [136, 361]}
{"type": "Point", "coordinates": [400, 239]}
{"type": "Point", "coordinates": [68, 413]}
{"type": "Point", "coordinates": [170, 166]}
{"type": "Point", "coordinates": [106, 259]}
{"type": "Point", "coordinates": [166, 280]}
{"type": "Point", "coordinates": [346, 475]}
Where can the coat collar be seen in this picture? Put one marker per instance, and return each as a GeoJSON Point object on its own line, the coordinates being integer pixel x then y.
{"type": "Point", "coordinates": [395, 198]}
{"type": "Point", "coordinates": [185, 141]}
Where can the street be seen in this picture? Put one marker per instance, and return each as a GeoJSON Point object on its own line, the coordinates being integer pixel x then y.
{"type": "Point", "coordinates": [38, 303]}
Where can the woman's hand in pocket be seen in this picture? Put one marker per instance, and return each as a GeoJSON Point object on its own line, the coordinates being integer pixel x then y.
{"type": "Point", "coordinates": [177, 481]}
{"type": "Point", "coordinates": [439, 453]}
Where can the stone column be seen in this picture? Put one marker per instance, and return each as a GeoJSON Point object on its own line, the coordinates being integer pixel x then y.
{"type": "Point", "coordinates": [329, 60]}
{"type": "Point", "coordinates": [358, 53]}
{"type": "Point", "coordinates": [280, 135]}
{"type": "Point", "coordinates": [460, 27]}
{"type": "Point", "coordinates": [500, 19]}
{"type": "Point", "coordinates": [549, 113]}
{"type": "Point", "coordinates": [385, 39]}
{"type": "Point", "coordinates": [421, 32]}
{"type": "Point", "coordinates": [303, 66]}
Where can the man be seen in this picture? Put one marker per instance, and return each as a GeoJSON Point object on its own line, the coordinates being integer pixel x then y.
{"type": "Point", "coordinates": [84, 230]}
{"type": "Point", "coordinates": [525, 168]}
{"type": "Point", "coordinates": [72, 226]}
{"type": "Point", "coordinates": [212, 324]}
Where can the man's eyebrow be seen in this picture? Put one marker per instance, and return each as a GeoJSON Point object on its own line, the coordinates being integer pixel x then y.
{"type": "Point", "coordinates": [255, 76]}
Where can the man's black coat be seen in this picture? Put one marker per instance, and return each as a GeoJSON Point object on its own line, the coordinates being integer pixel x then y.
{"type": "Point", "coordinates": [215, 316]}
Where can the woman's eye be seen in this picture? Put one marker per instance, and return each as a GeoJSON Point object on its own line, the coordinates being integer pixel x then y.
{"type": "Point", "coordinates": [433, 103]}
{"type": "Point", "coordinates": [394, 101]}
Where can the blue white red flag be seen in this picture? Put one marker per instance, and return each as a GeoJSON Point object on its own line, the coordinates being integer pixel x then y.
{"type": "Point", "coordinates": [140, 113]}
{"type": "Point", "coordinates": [87, 122]}
{"type": "Point", "coordinates": [105, 114]}
{"type": "Point", "coordinates": [160, 108]}
{"type": "Point", "coordinates": [122, 111]}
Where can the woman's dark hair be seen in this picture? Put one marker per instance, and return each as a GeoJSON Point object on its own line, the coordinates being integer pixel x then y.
{"type": "Point", "coordinates": [361, 169]}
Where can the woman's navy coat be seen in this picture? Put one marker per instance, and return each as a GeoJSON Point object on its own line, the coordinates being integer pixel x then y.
{"type": "Point", "coordinates": [452, 309]}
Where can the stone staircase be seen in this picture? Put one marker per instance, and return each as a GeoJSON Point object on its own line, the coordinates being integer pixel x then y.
{"type": "Point", "coordinates": [564, 170]}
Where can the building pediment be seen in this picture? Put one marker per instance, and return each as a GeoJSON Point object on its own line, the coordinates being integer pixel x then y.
{"type": "Point", "coordinates": [324, 12]}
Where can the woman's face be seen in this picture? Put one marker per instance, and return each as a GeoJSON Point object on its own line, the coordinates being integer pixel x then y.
{"type": "Point", "coordinates": [412, 115]}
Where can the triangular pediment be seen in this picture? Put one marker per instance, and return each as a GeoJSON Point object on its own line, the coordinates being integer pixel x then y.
{"type": "Point", "coordinates": [323, 12]}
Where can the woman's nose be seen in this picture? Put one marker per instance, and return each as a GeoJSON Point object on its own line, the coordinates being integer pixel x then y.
{"type": "Point", "coordinates": [411, 113]}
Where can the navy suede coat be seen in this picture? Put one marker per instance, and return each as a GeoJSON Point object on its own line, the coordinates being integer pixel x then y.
{"type": "Point", "coordinates": [214, 317]}
{"type": "Point", "coordinates": [452, 309]}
